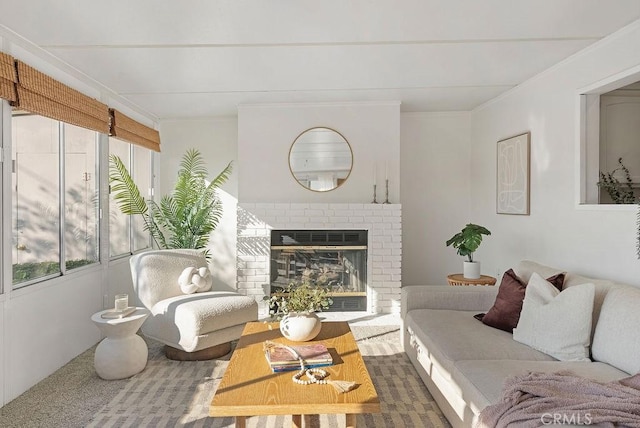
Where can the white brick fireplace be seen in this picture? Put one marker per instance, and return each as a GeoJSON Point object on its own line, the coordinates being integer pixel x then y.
{"type": "Point", "coordinates": [382, 221]}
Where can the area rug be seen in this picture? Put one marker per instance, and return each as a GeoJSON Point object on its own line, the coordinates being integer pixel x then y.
{"type": "Point", "coordinates": [170, 393]}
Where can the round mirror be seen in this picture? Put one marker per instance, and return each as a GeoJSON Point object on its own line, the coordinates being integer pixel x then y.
{"type": "Point", "coordinates": [320, 159]}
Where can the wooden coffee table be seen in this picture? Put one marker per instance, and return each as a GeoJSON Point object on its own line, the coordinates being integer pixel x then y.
{"type": "Point", "coordinates": [250, 388]}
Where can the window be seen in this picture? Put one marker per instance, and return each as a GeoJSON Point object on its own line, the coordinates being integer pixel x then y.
{"type": "Point", "coordinates": [55, 170]}
{"type": "Point", "coordinates": [82, 202]}
{"type": "Point", "coordinates": [36, 195]}
{"type": "Point", "coordinates": [142, 177]}
{"type": "Point", "coordinates": [119, 223]}
{"type": "Point", "coordinates": [127, 234]}
{"type": "Point", "coordinates": [39, 172]}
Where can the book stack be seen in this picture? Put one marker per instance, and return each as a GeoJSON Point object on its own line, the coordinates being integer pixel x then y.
{"type": "Point", "coordinates": [116, 314]}
{"type": "Point", "coordinates": [280, 359]}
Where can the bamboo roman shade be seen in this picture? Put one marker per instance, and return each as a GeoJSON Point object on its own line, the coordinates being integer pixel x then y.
{"type": "Point", "coordinates": [33, 91]}
{"type": "Point", "coordinates": [8, 77]}
{"type": "Point", "coordinates": [127, 129]}
{"type": "Point", "coordinates": [41, 94]}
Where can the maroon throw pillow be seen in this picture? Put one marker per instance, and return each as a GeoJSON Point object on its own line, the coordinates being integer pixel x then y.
{"type": "Point", "coordinates": [505, 312]}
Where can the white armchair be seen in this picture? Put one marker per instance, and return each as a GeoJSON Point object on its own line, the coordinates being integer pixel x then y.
{"type": "Point", "coordinates": [196, 326]}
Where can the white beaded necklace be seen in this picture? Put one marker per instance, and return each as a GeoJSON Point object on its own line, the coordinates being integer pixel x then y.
{"type": "Point", "coordinates": [313, 375]}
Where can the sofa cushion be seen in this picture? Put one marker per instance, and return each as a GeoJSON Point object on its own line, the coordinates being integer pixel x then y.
{"type": "Point", "coordinates": [505, 312]}
{"type": "Point", "coordinates": [525, 268]}
{"type": "Point", "coordinates": [182, 319]}
{"type": "Point", "coordinates": [558, 324]}
{"type": "Point", "coordinates": [449, 336]}
{"type": "Point", "coordinates": [617, 336]}
{"type": "Point", "coordinates": [480, 381]}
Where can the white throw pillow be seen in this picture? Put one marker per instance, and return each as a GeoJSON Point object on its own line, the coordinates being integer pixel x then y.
{"type": "Point", "coordinates": [195, 280]}
{"type": "Point", "coordinates": [556, 323]}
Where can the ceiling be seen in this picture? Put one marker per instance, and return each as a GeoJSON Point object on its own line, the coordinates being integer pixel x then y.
{"type": "Point", "coordinates": [197, 58]}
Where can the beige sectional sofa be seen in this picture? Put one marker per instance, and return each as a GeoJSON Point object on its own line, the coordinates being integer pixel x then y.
{"type": "Point", "coordinates": [464, 362]}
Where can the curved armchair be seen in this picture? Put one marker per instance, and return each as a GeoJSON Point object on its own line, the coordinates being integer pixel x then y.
{"type": "Point", "coordinates": [195, 326]}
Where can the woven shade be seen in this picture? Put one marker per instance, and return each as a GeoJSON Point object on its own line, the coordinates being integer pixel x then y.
{"type": "Point", "coordinates": [126, 129]}
{"type": "Point", "coordinates": [41, 94]}
{"type": "Point", "coordinates": [8, 77]}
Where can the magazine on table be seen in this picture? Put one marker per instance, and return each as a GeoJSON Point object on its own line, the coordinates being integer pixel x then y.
{"type": "Point", "coordinates": [281, 359]}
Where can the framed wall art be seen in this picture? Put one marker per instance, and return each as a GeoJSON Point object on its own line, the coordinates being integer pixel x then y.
{"type": "Point", "coordinates": [513, 175]}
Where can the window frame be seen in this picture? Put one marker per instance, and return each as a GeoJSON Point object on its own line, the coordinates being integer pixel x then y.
{"type": "Point", "coordinates": [8, 276]}
{"type": "Point", "coordinates": [5, 200]}
{"type": "Point", "coordinates": [150, 194]}
{"type": "Point", "coordinates": [103, 231]}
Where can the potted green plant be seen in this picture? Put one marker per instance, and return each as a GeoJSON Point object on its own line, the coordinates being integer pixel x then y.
{"type": "Point", "coordinates": [184, 218]}
{"type": "Point", "coordinates": [466, 242]}
{"type": "Point", "coordinates": [296, 306]}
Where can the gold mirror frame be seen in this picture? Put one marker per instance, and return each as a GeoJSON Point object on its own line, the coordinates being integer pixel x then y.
{"type": "Point", "coordinates": [323, 159]}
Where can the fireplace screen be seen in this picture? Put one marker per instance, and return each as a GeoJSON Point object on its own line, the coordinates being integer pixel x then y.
{"type": "Point", "coordinates": [336, 260]}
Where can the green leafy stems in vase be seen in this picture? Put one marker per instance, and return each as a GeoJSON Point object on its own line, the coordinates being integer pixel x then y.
{"type": "Point", "coordinates": [298, 296]}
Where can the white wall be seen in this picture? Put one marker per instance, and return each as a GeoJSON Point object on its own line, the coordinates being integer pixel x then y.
{"type": "Point", "coordinates": [598, 241]}
{"type": "Point", "coordinates": [435, 180]}
{"type": "Point", "coordinates": [46, 325]}
{"type": "Point", "coordinates": [119, 281]}
{"type": "Point", "coordinates": [217, 141]}
{"type": "Point", "coordinates": [2, 351]}
{"type": "Point", "coordinates": [266, 132]}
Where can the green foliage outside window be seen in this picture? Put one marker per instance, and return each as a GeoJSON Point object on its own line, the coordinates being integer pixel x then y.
{"type": "Point", "coordinates": [26, 271]}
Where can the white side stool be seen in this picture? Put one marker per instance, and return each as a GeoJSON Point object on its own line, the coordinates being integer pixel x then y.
{"type": "Point", "coordinates": [122, 353]}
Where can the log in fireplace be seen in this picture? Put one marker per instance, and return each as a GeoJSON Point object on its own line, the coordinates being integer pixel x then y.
{"type": "Point", "coordinates": [333, 259]}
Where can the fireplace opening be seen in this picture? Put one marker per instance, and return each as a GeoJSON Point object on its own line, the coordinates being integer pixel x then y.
{"type": "Point", "coordinates": [332, 259]}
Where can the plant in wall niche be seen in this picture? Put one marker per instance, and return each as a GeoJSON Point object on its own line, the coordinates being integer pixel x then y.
{"type": "Point", "coordinates": [620, 193]}
{"type": "Point", "coordinates": [466, 242]}
{"type": "Point", "coordinates": [638, 232]}
{"type": "Point", "coordinates": [184, 218]}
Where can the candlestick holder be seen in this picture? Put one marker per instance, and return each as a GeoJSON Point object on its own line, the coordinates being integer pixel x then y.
{"type": "Point", "coordinates": [374, 195]}
{"type": "Point", "coordinates": [386, 192]}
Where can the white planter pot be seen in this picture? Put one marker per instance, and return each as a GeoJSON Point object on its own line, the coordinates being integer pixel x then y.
{"type": "Point", "coordinates": [471, 270]}
{"type": "Point", "coordinates": [300, 326]}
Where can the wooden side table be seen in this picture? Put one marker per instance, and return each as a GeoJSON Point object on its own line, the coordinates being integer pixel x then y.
{"type": "Point", "coordinates": [459, 279]}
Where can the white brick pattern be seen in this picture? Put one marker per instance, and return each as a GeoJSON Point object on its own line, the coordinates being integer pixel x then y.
{"type": "Point", "coordinates": [382, 221]}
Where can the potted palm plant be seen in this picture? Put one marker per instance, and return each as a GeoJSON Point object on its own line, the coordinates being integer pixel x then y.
{"type": "Point", "coordinates": [184, 218]}
{"type": "Point", "coordinates": [466, 242]}
{"type": "Point", "coordinates": [296, 306]}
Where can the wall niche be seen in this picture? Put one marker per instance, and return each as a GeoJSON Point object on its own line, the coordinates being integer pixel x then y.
{"type": "Point", "coordinates": [610, 142]}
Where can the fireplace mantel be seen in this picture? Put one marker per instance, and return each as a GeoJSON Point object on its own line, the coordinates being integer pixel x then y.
{"type": "Point", "coordinates": [382, 221]}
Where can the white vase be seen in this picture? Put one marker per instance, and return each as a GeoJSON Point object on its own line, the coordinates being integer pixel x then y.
{"type": "Point", "coordinates": [300, 326]}
{"type": "Point", "coordinates": [471, 270]}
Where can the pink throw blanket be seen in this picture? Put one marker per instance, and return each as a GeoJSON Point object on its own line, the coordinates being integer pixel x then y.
{"type": "Point", "coordinates": [537, 399]}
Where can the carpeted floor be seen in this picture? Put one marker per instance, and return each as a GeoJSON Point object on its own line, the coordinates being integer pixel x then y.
{"type": "Point", "coordinates": [169, 393]}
